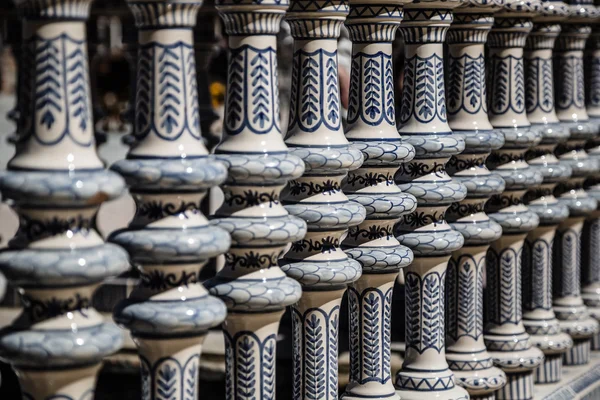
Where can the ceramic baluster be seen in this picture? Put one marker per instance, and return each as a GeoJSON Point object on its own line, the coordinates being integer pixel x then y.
{"type": "Point", "coordinates": [57, 183]}
{"type": "Point", "coordinates": [254, 288]}
{"type": "Point", "coordinates": [538, 318]}
{"type": "Point", "coordinates": [590, 266]}
{"type": "Point", "coordinates": [169, 171]}
{"type": "Point", "coordinates": [504, 334]}
{"type": "Point", "coordinates": [372, 128]}
{"type": "Point", "coordinates": [315, 134]}
{"type": "Point", "coordinates": [424, 124]}
{"type": "Point", "coordinates": [465, 350]}
{"type": "Point", "coordinates": [570, 104]}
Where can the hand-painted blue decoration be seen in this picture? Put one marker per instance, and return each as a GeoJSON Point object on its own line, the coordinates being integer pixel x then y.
{"type": "Point", "coordinates": [539, 92]}
{"type": "Point", "coordinates": [502, 95]}
{"type": "Point", "coordinates": [251, 91]}
{"type": "Point", "coordinates": [372, 89]}
{"type": "Point", "coordinates": [60, 106]}
{"type": "Point", "coordinates": [423, 95]}
{"type": "Point", "coordinates": [167, 80]}
{"type": "Point", "coordinates": [466, 84]}
{"type": "Point", "coordinates": [315, 75]}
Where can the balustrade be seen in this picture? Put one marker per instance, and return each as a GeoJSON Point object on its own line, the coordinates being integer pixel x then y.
{"type": "Point", "coordinates": [501, 174]}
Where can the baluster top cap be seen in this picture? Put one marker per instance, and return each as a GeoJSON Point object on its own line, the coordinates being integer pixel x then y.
{"type": "Point", "coordinates": [54, 9]}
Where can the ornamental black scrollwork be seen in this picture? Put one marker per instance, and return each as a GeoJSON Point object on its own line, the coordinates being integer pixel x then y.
{"type": "Point", "coordinates": [461, 209]}
{"type": "Point", "coordinates": [461, 164]}
{"type": "Point", "coordinates": [251, 198]}
{"type": "Point", "coordinates": [536, 193]}
{"type": "Point", "coordinates": [372, 232]}
{"type": "Point", "coordinates": [253, 259]}
{"type": "Point", "coordinates": [498, 202]}
{"type": "Point", "coordinates": [157, 209]}
{"type": "Point", "coordinates": [325, 245]}
{"type": "Point", "coordinates": [496, 159]}
{"type": "Point", "coordinates": [35, 229]}
{"type": "Point", "coordinates": [417, 219]}
{"type": "Point", "coordinates": [416, 169]}
{"type": "Point", "coordinates": [53, 307]}
{"type": "Point", "coordinates": [161, 280]}
{"type": "Point", "coordinates": [370, 179]}
{"type": "Point", "coordinates": [309, 188]}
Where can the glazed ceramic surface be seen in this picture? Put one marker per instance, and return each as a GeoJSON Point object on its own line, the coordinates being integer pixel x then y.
{"type": "Point", "coordinates": [504, 332]}
{"type": "Point", "coordinates": [424, 124]}
{"type": "Point", "coordinates": [538, 318]}
{"type": "Point", "coordinates": [315, 135]}
{"type": "Point", "coordinates": [254, 288]}
{"type": "Point", "coordinates": [590, 267]}
{"type": "Point", "coordinates": [465, 352]}
{"type": "Point", "coordinates": [169, 170]}
{"type": "Point", "coordinates": [372, 129]}
{"type": "Point", "coordinates": [570, 101]}
{"type": "Point", "coordinates": [57, 183]}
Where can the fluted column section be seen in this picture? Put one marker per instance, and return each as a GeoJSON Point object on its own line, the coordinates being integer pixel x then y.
{"type": "Point", "coordinates": [259, 164]}
{"type": "Point", "coordinates": [169, 171]}
{"type": "Point", "coordinates": [465, 351]}
{"type": "Point", "coordinates": [57, 183]}
{"type": "Point", "coordinates": [372, 128]}
{"type": "Point", "coordinates": [590, 266]}
{"type": "Point", "coordinates": [504, 334]}
{"type": "Point", "coordinates": [538, 318]}
{"type": "Point", "coordinates": [570, 104]}
{"type": "Point", "coordinates": [424, 123]}
{"type": "Point", "coordinates": [315, 134]}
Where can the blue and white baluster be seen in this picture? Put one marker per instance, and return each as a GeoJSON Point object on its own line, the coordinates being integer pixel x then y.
{"type": "Point", "coordinates": [315, 134]}
{"type": "Point", "coordinates": [590, 267]}
{"type": "Point", "coordinates": [425, 372]}
{"type": "Point", "coordinates": [254, 288]}
{"type": "Point", "coordinates": [169, 172]}
{"type": "Point", "coordinates": [504, 333]}
{"type": "Point", "coordinates": [465, 351]}
{"type": "Point", "coordinates": [372, 128]}
{"type": "Point", "coordinates": [57, 183]}
{"type": "Point", "coordinates": [570, 104]}
{"type": "Point", "coordinates": [538, 318]}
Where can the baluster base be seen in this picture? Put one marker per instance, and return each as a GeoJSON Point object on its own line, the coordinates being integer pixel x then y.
{"type": "Point", "coordinates": [551, 369]}
{"type": "Point", "coordinates": [579, 354]}
{"type": "Point", "coordinates": [519, 386]}
{"type": "Point", "coordinates": [554, 346]}
{"type": "Point", "coordinates": [420, 385]}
